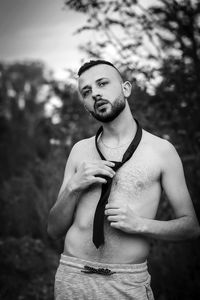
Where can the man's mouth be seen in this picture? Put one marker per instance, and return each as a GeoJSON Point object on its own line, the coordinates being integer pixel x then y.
{"type": "Point", "coordinates": [100, 104]}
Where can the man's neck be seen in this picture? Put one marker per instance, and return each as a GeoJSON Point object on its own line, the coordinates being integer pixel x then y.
{"type": "Point", "coordinates": [120, 130]}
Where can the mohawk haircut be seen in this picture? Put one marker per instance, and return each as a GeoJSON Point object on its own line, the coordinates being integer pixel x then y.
{"type": "Point", "coordinates": [86, 66]}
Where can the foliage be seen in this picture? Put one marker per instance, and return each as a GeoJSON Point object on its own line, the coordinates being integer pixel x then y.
{"type": "Point", "coordinates": [30, 176]}
{"type": "Point", "coordinates": [139, 38]}
{"type": "Point", "coordinates": [27, 269]}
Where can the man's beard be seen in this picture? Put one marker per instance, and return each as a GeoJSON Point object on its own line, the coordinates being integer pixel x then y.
{"type": "Point", "coordinates": [105, 117]}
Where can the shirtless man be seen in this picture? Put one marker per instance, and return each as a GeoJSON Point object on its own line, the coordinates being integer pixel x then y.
{"type": "Point", "coordinates": [132, 204]}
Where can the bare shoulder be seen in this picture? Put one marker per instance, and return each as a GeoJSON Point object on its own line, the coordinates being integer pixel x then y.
{"type": "Point", "coordinates": [157, 142]}
{"type": "Point", "coordinates": [82, 148]}
{"type": "Point", "coordinates": [165, 149]}
{"type": "Point", "coordinates": [84, 145]}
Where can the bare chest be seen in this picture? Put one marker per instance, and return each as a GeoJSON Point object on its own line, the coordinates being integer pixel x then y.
{"type": "Point", "coordinates": [134, 178]}
{"type": "Point", "coordinates": [136, 182]}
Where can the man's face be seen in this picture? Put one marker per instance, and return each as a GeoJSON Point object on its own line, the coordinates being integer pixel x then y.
{"type": "Point", "coordinates": [102, 92]}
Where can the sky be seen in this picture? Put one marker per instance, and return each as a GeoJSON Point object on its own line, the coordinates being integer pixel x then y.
{"type": "Point", "coordinates": [41, 29]}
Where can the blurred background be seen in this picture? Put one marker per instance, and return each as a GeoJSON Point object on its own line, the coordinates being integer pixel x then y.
{"type": "Point", "coordinates": [156, 45]}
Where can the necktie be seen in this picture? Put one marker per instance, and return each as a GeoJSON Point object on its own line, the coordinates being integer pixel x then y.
{"type": "Point", "coordinates": [98, 224]}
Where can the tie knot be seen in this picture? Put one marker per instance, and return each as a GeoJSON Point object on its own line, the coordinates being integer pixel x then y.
{"type": "Point", "coordinates": [117, 165]}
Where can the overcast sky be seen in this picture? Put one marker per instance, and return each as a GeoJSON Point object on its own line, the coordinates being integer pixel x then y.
{"type": "Point", "coordinates": [40, 29]}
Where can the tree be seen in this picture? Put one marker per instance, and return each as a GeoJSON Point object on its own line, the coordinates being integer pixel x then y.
{"type": "Point", "coordinates": [138, 38]}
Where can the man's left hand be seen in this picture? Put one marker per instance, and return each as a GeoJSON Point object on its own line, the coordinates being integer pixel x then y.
{"type": "Point", "coordinates": [123, 218]}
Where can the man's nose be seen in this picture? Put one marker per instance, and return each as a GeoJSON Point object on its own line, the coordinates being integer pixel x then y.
{"type": "Point", "coordinates": [96, 95]}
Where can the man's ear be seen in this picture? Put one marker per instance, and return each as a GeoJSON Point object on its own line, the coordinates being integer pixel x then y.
{"type": "Point", "coordinates": [127, 86]}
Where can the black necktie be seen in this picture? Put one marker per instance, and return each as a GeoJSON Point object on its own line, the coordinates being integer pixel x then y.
{"type": "Point", "coordinates": [98, 225]}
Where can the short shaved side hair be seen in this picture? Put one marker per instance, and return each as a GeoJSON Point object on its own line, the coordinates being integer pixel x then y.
{"type": "Point", "coordinates": [86, 66]}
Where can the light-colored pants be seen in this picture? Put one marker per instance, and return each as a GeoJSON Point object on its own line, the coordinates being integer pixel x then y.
{"type": "Point", "coordinates": [127, 281]}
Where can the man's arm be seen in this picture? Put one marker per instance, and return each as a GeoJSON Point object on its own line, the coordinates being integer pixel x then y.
{"type": "Point", "coordinates": [185, 226]}
{"type": "Point", "coordinates": [61, 214]}
{"type": "Point", "coordinates": [77, 178]}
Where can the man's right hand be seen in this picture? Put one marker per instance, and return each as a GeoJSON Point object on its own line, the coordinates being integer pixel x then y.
{"type": "Point", "coordinates": [91, 172]}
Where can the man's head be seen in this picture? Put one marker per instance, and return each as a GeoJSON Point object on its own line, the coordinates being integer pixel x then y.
{"type": "Point", "coordinates": [93, 63]}
{"type": "Point", "coordinates": [102, 89]}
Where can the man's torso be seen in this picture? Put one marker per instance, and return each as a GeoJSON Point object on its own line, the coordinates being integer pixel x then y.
{"type": "Point", "coordinates": [136, 183]}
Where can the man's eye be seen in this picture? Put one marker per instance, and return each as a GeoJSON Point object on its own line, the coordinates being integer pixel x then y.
{"type": "Point", "coordinates": [86, 93]}
{"type": "Point", "coordinates": [103, 83]}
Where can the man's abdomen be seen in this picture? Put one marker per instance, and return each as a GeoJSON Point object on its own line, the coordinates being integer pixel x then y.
{"type": "Point", "coordinates": [119, 247]}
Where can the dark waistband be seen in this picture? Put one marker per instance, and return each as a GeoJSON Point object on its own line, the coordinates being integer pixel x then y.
{"type": "Point", "coordinates": [79, 263]}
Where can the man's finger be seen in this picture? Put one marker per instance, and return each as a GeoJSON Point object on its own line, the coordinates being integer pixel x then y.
{"type": "Point", "coordinates": [111, 206]}
{"type": "Point", "coordinates": [114, 218]}
{"type": "Point", "coordinates": [108, 172]}
{"type": "Point", "coordinates": [112, 211]}
{"type": "Point", "coordinates": [108, 163]}
{"type": "Point", "coordinates": [116, 225]}
{"type": "Point", "coordinates": [98, 180]}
